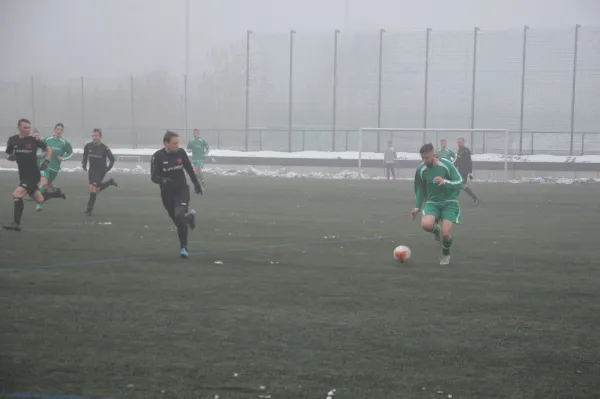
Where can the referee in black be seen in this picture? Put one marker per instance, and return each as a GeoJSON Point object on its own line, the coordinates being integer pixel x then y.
{"type": "Point", "coordinates": [167, 166]}
{"type": "Point", "coordinates": [464, 164]}
{"type": "Point", "coordinates": [97, 153]}
{"type": "Point", "coordinates": [22, 148]}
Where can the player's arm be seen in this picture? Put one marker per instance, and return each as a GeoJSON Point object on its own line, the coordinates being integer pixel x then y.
{"type": "Point", "coordinates": [155, 168]}
{"type": "Point", "coordinates": [420, 190]}
{"type": "Point", "coordinates": [68, 153]}
{"type": "Point", "coordinates": [189, 146]}
{"type": "Point", "coordinates": [452, 156]}
{"type": "Point", "coordinates": [44, 147]}
{"type": "Point", "coordinates": [468, 161]}
{"type": "Point", "coordinates": [84, 162]}
{"type": "Point", "coordinates": [454, 181]}
{"type": "Point", "coordinates": [9, 151]}
{"type": "Point", "coordinates": [111, 159]}
{"type": "Point", "coordinates": [206, 148]}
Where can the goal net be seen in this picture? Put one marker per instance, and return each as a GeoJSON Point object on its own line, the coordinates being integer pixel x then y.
{"type": "Point", "coordinates": [494, 143]}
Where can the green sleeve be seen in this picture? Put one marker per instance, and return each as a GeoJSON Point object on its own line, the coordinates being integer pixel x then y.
{"type": "Point", "coordinates": [420, 190]}
{"type": "Point", "coordinates": [206, 148]}
{"type": "Point", "coordinates": [189, 145]}
{"type": "Point", "coordinates": [452, 156]}
{"type": "Point", "coordinates": [68, 151]}
{"type": "Point", "coordinates": [454, 182]}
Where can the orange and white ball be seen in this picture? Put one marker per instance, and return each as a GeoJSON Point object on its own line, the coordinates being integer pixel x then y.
{"type": "Point", "coordinates": [402, 253]}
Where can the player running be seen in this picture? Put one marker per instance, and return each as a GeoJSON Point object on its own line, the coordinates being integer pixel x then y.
{"type": "Point", "coordinates": [97, 153]}
{"type": "Point", "coordinates": [23, 148]}
{"type": "Point", "coordinates": [464, 164]}
{"type": "Point", "coordinates": [61, 151]}
{"type": "Point", "coordinates": [438, 184]}
{"type": "Point", "coordinates": [444, 152]}
{"type": "Point", "coordinates": [167, 167]}
{"type": "Point", "coordinates": [200, 149]}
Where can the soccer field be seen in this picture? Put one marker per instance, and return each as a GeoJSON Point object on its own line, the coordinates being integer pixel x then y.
{"type": "Point", "coordinates": [291, 292]}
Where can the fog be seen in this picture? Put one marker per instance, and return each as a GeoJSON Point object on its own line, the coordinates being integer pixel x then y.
{"type": "Point", "coordinates": [121, 65]}
{"type": "Point", "coordinates": [114, 37]}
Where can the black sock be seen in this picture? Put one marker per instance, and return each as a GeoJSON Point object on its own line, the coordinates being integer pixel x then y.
{"type": "Point", "coordinates": [182, 232]}
{"type": "Point", "coordinates": [19, 206]}
{"type": "Point", "coordinates": [51, 194]}
{"type": "Point", "coordinates": [105, 184]}
{"type": "Point", "coordinates": [91, 201]}
{"type": "Point", "coordinates": [471, 193]}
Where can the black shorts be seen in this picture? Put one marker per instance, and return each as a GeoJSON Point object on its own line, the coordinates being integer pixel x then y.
{"type": "Point", "coordinates": [30, 183]}
{"type": "Point", "coordinates": [173, 197]}
{"type": "Point", "coordinates": [96, 176]}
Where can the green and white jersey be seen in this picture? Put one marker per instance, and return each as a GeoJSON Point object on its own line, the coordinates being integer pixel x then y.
{"type": "Point", "coordinates": [446, 153]}
{"type": "Point", "coordinates": [428, 190]}
{"type": "Point", "coordinates": [199, 148]}
{"type": "Point", "coordinates": [60, 148]}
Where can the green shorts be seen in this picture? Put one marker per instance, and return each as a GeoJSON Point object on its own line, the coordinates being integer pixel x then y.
{"type": "Point", "coordinates": [198, 163]}
{"type": "Point", "coordinates": [446, 210]}
{"type": "Point", "coordinates": [49, 174]}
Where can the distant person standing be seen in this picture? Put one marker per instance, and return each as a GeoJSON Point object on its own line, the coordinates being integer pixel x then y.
{"type": "Point", "coordinates": [444, 152]}
{"type": "Point", "coordinates": [389, 159]}
{"type": "Point", "coordinates": [200, 149]}
{"type": "Point", "coordinates": [464, 164]}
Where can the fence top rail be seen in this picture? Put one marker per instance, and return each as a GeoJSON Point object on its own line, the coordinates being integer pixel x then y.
{"type": "Point", "coordinates": [385, 129]}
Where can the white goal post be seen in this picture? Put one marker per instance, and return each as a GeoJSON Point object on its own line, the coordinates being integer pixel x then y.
{"type": "Point", "coordinates": [416, 140]}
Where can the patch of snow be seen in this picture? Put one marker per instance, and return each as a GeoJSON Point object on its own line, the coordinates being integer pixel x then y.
{"type": "Point", "coordinates": [354, 155]}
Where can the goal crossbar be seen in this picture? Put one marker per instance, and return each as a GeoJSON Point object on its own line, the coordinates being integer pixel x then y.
{"type": "Point", "coordinates": [425, 130]}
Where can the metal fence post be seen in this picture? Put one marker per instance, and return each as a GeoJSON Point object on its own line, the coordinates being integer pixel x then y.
{"type": "Point", "coordinates": [426, 93]}
{"type": "Point", "coordinates": [523, 64]}
{"type": "Point", "coordinates": [573, 93]}
{"type": "Point", "coordinates": [381, 32]}
{"type": "Point", "coordinates": [185, 105]}
{"type": "Point", "coordinates": [473, 84]}
{"type": "Point", "coordinates": [83, 107]}
{"type": "Point", "coordinates": [335, 66]}
{"type": "Point", "coordinates": [291, 84]}
{"type": "Point", "coordinates": [133, 131]}
{"type": "Point", "coordinates": [247, 111]}
{"type": "Point", "coordinates": [33, 118]}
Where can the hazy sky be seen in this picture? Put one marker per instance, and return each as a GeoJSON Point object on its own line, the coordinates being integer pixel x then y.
{"type": "Point", "coordinates": [116, 37]}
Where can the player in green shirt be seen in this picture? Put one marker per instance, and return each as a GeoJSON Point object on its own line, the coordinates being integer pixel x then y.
{"type": "Point", "coordinates": [61, 151]}
{"type": "Point", "coordinates": [199, 148]}
{"type": "Point", "coordinates": [444, 152]}
{"type": "Point", "coordinates": [438, 185]}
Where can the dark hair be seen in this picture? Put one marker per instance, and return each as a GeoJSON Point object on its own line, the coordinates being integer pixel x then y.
{"type": "Point", "coordinates": [59, 124]}
{"type": "Point", "coordinates": [443, 140]}
{"type": "Point", "coordinates": [196, 130]}
{"type": "Point", "coordinates": [97, 130]}
{"type": "Point", "coordinates": [23, 120]}
{"type": "Point", "coordinates": [426, 148]}
{"type": "Point", "coordinates": [169, 135]}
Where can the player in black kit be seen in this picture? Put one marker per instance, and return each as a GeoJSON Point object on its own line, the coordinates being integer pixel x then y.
{"type": "Point", "coordinates": [23, 148]}
{"type": "Point", "coordinates": [167, 166]}
{"type": "Point", "coordinates": [97, 153]}
{"type": "Point", "coordinates": [464, 164]}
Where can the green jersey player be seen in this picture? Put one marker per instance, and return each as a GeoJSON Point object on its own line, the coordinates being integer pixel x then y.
{"type": "Point", "coordinates": [199, 148]}
{"type": "Point", "coordinates": [437, 185]}
{"type": "Point", "coordinates": [444, 152]}
{"type": "Point", "coordinates": [61, 151]}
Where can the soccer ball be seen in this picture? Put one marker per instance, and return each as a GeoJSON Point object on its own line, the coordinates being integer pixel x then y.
{"type": "Point", "coordinates": [402, 253]}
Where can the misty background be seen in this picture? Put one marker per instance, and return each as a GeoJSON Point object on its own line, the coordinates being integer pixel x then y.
{"type": "Point", "coordinates": [121, 66]}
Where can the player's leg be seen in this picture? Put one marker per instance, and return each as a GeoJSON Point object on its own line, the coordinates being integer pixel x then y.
{"type": "Point", "coordinates": [387, 172]}
{"type": "Point", "coordinates": [48, 177]}
{"type": "Point", "coordinates": [105, 184]}
{"type": "Point", "coordinates": [429, 221]}
{"type": "Point", "coordinates": [393, 172]}
{"type": "Point", "coordinates": [94, 180]}
{"type": "Point", "coordinates": [199, 167]}
{"type": "Point", "coordinates": [182, 218]}
{"type": "Point", "coordinates": [467, 189]}
{"type": "Point", "coordinates": [451, 216]}
{"type": "Point", "coordinates": [44, 180]}
{"type": "Point", "coordinates": [19, 206]}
